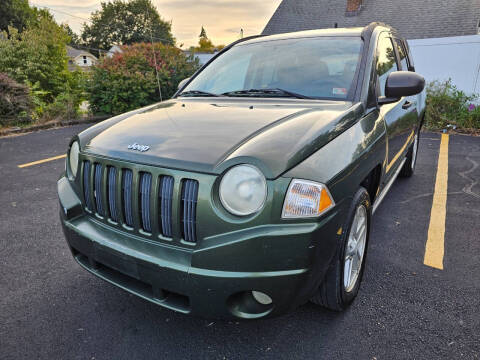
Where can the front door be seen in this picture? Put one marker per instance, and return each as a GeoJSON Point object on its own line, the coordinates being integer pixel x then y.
{"type": "Point", "coordinates": [401, 116]}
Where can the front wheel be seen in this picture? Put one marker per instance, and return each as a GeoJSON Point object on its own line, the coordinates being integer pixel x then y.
{"type": "Point", "coordinates": [343, 278]}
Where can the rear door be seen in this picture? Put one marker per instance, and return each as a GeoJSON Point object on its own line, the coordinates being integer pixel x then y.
{"type": "Point", "coordinates": [400, 117]}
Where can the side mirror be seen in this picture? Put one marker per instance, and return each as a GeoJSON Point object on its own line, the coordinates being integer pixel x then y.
{"type": "Point", "coordinates": [401, 83]}
{"type": "Point", "coordinates": [182, 83]}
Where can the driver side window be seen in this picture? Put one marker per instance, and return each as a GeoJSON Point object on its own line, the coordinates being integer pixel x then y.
{"type": "Point", "coordinates": [386, 62]}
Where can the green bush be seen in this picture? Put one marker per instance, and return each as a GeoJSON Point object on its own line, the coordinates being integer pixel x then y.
{"type": "Point", "coordinates": [37, 58]}
{"type": "Point", "coordinates": [128, 80]}
{"type": "Point", "coordinates": [448, 105]}
{"type": "Point", "coordinates": [37, 55]}
{"type": "Point", "coordinates": [15, 102]}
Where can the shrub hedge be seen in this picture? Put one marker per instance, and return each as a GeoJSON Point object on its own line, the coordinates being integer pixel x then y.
{"type": "Point", "coordinates": [128, 80]}
{"type": "Point", "coordinates": [447, 105]}
{"type": "Point", "coordinates": [15, 102]}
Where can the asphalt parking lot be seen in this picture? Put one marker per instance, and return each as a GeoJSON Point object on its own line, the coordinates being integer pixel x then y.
{"type": "Point", "coordinates": [51, 308]}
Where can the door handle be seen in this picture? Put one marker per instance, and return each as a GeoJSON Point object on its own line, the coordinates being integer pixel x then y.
{"type": "Point", "coordinates": [407, 104]}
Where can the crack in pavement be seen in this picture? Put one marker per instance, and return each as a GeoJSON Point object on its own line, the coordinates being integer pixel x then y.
{"type": "Point", "coordinates": [426, 195]}
{"type": "Point", "coordinates": [467, 189]}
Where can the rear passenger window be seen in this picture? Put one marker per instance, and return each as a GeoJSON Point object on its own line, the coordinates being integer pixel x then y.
{"type": "Point", "coordinates": [402, 54]}
{"type": "Point", "coordinates": [386, 62]}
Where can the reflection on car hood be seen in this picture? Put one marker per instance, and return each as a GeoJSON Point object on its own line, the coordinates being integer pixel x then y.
{"type": "Point", "coordinates": [210, 135]}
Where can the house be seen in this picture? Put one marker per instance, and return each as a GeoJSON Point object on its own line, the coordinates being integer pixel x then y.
{"type": "Point", "coordinates": [414, 19]}
{"type": "Point", "coordinates": [202, 57]}
{"type": "Point", "coordinates": [114, 49]}
{"type": "Point", "coordinates": [78, 58]}
{"type": "Point", "coordinates": [443, 34]}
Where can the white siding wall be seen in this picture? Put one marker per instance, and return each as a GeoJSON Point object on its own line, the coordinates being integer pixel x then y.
{"type": "Point", "coordinates": [79, 61]}
{"type": "Point", "coordinates": [457, 58]}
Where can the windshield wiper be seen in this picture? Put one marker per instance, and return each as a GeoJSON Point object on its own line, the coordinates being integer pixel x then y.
{"type": "Point", "coordinates": [266, 92]}
{"type": "Point", "coordinates": [198, 93]}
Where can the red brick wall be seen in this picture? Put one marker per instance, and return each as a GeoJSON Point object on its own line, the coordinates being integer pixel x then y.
{"type": "Point", "coordinates": [353, 5]}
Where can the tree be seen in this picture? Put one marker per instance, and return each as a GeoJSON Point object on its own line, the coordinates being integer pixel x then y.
{"type": "Point", "coordinates": [203, 34]}
{"type": "Point", "coordinates": [38, 55]}
{"type": "Point", "coordinates": [75, 40]}
{"type": "Point", "coordinates": [205, 45]}
{"type": "Point", "coordinates": [15, 101]}
{"type": "Point", "coordinates": [15, 13]}
{"type": "Point", "coordinates": [123, 23]}
{"type": "Point", "coordinates": [128, 80]}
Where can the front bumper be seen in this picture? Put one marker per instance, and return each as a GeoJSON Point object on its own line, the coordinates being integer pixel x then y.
{"type": "Point", "coordinates": [286, 261]}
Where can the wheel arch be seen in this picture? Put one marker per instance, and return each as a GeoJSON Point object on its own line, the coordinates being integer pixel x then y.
{"type": "Point", "coordinates": [372, 182]}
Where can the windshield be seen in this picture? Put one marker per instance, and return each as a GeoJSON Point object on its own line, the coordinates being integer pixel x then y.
{"type": "Point", "coordinates": [320, 68]}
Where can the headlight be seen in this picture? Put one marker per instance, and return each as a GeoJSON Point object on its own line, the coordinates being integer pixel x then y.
{"type": "Point", "coordinates": [306, 199]}
{"type": "Point", "coordinates": [243, 190]}
{"type": "Point", "coordinates": [73, 158]}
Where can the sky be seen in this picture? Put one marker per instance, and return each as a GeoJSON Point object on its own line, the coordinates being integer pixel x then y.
{"type": "Point", "coordinates": [222, 19]}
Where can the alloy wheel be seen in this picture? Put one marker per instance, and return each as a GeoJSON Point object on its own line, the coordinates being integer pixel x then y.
{"type": "Point", "coordinates": [355, 250]}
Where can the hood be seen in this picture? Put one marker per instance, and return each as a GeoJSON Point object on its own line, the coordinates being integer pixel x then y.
{"type": "Point", "coordinates": [210, 135]}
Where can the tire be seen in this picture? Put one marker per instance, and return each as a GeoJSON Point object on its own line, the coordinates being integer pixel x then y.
{"type": "Point", "coordinates": [337, 292]}
{"type": "Point", "coordinates": [409, 166]}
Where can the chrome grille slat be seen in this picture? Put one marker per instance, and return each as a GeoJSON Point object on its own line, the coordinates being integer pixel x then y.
{"type": "Point", "coordinates": [127, 196]}
{"type": "Point", "coordinates": [98, 189]}
{"type": "Point", "coordinates": [86, 185]}
{"type": "Point", "coordinates": [145, 189]}
{"type": "Point", "coordinates": [189, 203]}
{"type": "Point", "coordinates": [112, 188]}
{"type": "Point", "coordinates": [166, 198]}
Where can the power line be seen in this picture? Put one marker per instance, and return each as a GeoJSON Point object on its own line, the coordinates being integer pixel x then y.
{"type": "Point", "coordinates": [91, 48]}
{"type": "Point", "coordinates": [63, 12]}
{"type": "Point", "coordinates": [155, 60]}
{"type": "Point", "coordinates": [90, 21]}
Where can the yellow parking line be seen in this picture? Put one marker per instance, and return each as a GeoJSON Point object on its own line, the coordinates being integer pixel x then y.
{"type": "Point", "coordinates": [43, 161]}
{"type": "Point", "coordinates": [435, 248]}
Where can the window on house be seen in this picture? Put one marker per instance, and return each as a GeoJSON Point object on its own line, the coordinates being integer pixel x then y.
{"type": "Point", "coordinates": [386, 62]}
{"type": "Point", "coordinates": [84, 60]}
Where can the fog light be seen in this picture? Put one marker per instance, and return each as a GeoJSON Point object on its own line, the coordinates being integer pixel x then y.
{"type": "Point", "coordinates": [262, 298]}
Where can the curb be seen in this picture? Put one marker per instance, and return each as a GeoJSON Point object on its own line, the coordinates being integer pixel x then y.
{"type": "Point", "coordinates": [52, 124]}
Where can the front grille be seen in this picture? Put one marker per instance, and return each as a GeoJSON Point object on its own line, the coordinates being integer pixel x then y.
{"type": "Point", "coordinates": [189, 207]}
{"type": "Point", "coordinates": [145, 188]}
{"type": "Point", "coordinates": [86, 185]}
{"type": "Point", "coordinates": [165, 195]}
{"type": "Point", "coordinates": [127, 197]}
{"type": "Point", "coordinates": [141, 201]}
{"type": "Point", "coordinates": [112, 191]}
{"type": "Point", "coordinates": [98, 189]}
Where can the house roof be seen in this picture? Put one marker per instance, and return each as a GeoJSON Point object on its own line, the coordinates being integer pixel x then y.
{"type": "Point", "coordinates": [74, 53]}
{"type": "Point", "coordinates": [414, 19]}
{"type": "Point", "coordinates": [115, 48]}
{"type": "Point", "coordinates": [351, 31]}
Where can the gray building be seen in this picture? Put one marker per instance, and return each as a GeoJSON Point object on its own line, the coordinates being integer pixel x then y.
{"type": "Point", "coordinates": [414, 19]}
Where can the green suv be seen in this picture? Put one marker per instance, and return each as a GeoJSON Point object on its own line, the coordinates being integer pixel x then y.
{"type": "Point", "coordinates": [251, 191]}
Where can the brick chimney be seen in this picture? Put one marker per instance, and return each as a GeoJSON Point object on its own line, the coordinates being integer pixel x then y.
{"type": "Point", "coordinates": [353, 7]}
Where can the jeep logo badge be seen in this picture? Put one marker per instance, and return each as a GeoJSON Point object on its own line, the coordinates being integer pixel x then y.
{"type": "Point", "coordinates": [141, 148]}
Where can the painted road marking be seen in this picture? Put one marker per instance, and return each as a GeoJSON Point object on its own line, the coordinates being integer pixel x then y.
{"type": "Point", "coordinates": [43, 161]}
{"type": "Point", "coordinates": [435, 246]}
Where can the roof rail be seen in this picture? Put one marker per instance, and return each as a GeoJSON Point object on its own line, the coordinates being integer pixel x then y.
{"type": "Point", "coordinates": [368, 30]}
